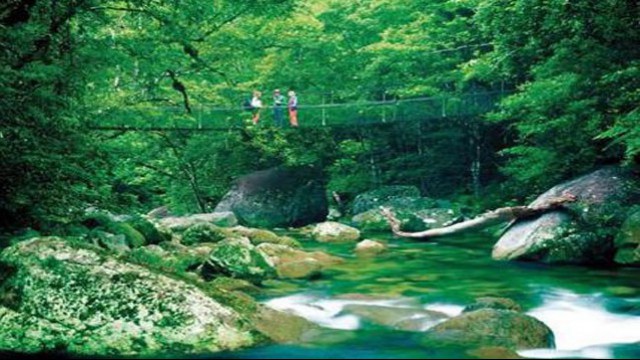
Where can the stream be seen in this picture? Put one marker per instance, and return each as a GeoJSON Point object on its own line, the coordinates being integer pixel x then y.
{"type": "Point", "coordinates": [363, 305]}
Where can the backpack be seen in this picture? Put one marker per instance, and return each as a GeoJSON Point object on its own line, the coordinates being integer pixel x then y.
{"type": "Point", "coordinates": [246, 105]}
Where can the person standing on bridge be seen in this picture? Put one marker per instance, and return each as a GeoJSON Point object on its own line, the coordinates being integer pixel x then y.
{"type": "Point", "coordinates": [256, 105]}
{"type": "Point", "coordinates": [278, 102]}
{"type": "Point", "coordinates": [293, 108]}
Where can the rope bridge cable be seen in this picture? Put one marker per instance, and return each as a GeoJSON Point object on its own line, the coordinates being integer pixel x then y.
{"type": "Point", "coordinates": [212, 118]}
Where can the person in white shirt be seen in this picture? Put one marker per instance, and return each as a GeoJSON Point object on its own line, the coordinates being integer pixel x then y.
{"type": "Point", "coordinates": [256, 104]}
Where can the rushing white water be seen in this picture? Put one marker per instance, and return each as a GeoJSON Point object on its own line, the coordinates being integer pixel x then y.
{"type": "Point", "coordinates": [329, 312]}
{"type": "Point", "coordinates": [581, 324]}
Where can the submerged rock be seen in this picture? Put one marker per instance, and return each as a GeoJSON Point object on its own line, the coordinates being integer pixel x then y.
{"type": "Point", "coordinates": [582, 235]}
{"type": "Point", "coordinates": [278, 197]}
{"type": "Point", "coordinates": [334, 232]}
{"type": "Point", "coordinates": [370, 248]}
{"type": "Point", "coordinates": [401, 318]}
{"type": "Point", "coordinates": [58, 295]}
{"type": "Point", "coordinates": [491, 327]}
{"type": "Point", "coordinates": [296, 264]}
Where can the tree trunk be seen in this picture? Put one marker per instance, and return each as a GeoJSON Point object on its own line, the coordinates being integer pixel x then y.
{"type": "Point", "coordinates": [485, 220]}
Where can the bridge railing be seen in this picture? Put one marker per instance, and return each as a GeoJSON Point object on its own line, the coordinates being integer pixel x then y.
{"type": "Point", "coordinates": [209, 116]}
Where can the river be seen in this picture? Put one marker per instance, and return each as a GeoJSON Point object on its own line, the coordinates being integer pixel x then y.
{"type": "Point", "coordinates": [593, 312]}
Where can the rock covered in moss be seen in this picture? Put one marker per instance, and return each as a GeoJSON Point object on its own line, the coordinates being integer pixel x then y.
{"type": "Point", "coordinates": [335, 232]}
{"type": "Point", "coordinates": [490, 302]}
{"type": "Point", "coordinates": [491, 327]}
{"type": "Point", "coordinates": [297, 264]}
{"type": "Point", "coordinates": [151, 233]}
{"type": "Point", "coordinates": [375, 198]}
{"type": "Point", "coordinates": [238, 258]}
{"type": "Point", "coordinates": [627, 242]}
{"type": "Point", "coordinates": [89, 303]}
{"type": "Point", "coordinates": [107, 224]}
{"type": "Point", "coordinates": [202, 233]}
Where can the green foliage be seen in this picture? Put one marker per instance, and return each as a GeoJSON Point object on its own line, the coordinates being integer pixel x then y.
{"type": "Point", "coordinates": [571, 70]}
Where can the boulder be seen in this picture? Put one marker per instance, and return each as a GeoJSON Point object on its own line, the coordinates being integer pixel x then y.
{"type": "Point", "coordinates": [238, 258]}
{"type": "Point", "coordinates": [105, 222]}
{"type": "Point", "coordinates": [491, 327]}
{"type": "Point", "coordinates": [335, 232]}
{"type": "Point", "coordinates": [412, 216]}
{"type": "Point", "coordinates": [297, 264]}
{"type": "Point", "coordinates": [182, 223]}
{"type": "Point", "coordinates": [278, 197]}
{"type": "Point", "coordinates": [496, 303]}
{"type": "Point", "coordinates": [370, 248]}
{"type": "Point", "coordinates": [58, 295]}
{"type": "Point", "coordinates": [583, 233]}
{"type": "Point", "coordinates": [378, 197]}
{"type": "Point", "coordinates": [627, 242]}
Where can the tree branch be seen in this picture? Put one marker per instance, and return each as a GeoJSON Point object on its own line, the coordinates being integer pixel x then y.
{"type": "Point", "coordinates": [487, 219]}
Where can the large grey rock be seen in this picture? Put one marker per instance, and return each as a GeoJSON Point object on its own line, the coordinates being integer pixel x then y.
{"type": "Point", "coordinates": [576, 236]}
{"type": "Point", "coordinates": [55, 294]}
{"type": "Point", "coordinates": [278, 197]}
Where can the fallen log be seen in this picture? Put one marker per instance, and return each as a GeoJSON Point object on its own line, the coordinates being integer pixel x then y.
{"type": "Point", "coordinates": [485, 220]}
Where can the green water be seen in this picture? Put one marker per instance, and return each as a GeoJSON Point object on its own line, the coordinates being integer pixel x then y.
{"type": "Point", "coordinates": [454, 271]}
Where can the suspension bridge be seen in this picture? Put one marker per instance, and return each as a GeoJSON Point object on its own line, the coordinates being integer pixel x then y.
{"type": "Point", "coordinates": [207, 117]}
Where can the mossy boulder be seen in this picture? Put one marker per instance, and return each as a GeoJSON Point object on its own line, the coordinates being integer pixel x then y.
{"type": "Point", "coordinates": [627, 242]}
{"type": "Point", "coordinates": [415, 214]}
{"type": "Point", "coordinates": [375, 198]}
{"type": "Point", "coordinates": [297, 264]}
{"type": "Point", "coordinates": [491, 327]}
{"type": "Point", "coordinates": [584, 231]}
{"type": "Point", "coordinates": [151, 233]}
{"type": "Point", "coordinates": [238, 258]}
{"type": "Point", "coordinates": [106, 223]}
{"type": "Point", "coordinates": [178, 260]}
{"type": "Point", "coordinates": [89, 303]}
{"type": "Point", "coordinates": [203, 233]}
{"type": "Point", "coordinates": [334, 232]}
{"type": "Point", "coordinates": [490, 302]}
